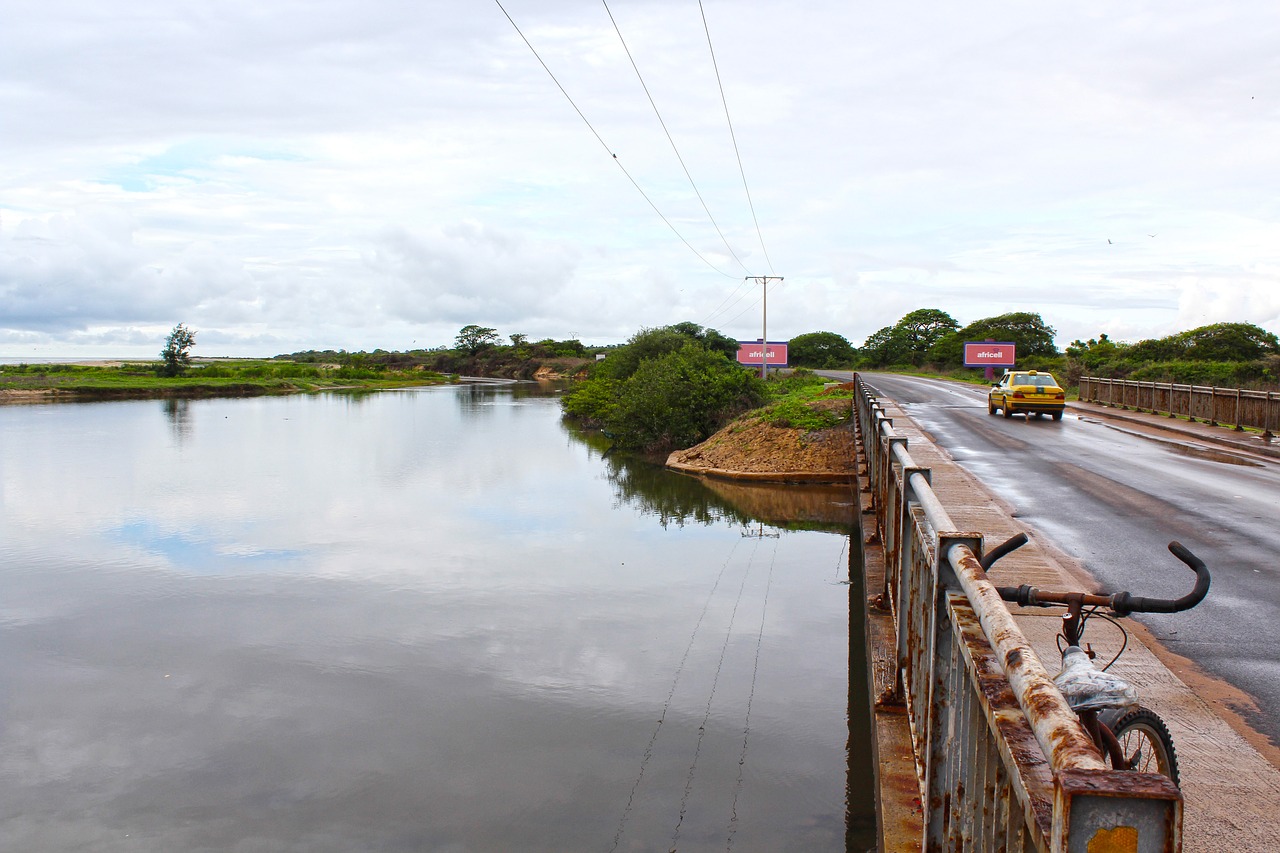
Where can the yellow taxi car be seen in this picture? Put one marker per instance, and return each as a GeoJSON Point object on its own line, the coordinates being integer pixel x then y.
{"type": "Point", "coordinates": [1029, 392]}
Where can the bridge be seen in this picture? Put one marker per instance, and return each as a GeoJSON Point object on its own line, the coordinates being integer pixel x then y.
{"type": "Point", "coordinates": [977, 749]}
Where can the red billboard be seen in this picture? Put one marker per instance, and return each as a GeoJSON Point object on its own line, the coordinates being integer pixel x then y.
{"type": "Point", "coordinates": [988, 354]}
{"type": "Point", "coordinates": [751, 352]}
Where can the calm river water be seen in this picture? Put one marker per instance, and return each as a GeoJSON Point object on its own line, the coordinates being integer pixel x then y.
{"type": "Point", "coordinates": [432, 620]}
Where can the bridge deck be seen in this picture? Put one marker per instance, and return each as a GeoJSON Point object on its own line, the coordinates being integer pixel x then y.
{"type": "Point", "coordinates": [1232, 791]}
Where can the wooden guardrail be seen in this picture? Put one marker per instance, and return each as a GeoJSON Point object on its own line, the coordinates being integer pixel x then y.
{"type": "Point", "coordinates": [1003, 763]}
{"type": "Point", "coordinates": [1235, 407]}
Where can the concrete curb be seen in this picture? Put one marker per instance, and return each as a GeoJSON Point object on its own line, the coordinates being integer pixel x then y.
{"type": "Point", "coordinates": [814, 477]}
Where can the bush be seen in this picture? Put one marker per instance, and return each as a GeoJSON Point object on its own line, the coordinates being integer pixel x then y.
{"type": "Point", "coordinates": [680, 398]}
{"type": "Point", "coordinates": [593, 401]}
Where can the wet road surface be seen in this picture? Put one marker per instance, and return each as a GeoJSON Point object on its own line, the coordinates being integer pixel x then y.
{"type": "Point", "coordinates": [1113, 497]}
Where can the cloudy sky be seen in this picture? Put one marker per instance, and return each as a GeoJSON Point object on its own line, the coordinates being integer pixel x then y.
{"type": "Point", "coordinates": [332, 174]}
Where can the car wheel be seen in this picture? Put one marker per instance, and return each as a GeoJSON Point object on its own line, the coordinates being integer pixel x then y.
{"type": "Point", "coordinates": [1008, 413]}
{"type": "Point", "coordinates": [1057, 416]}
{"type": "Point", "coordinates": [992, 408]}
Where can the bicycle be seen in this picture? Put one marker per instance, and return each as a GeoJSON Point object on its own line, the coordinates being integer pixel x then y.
{"type": "Point", "coordinates": [1128, 735]}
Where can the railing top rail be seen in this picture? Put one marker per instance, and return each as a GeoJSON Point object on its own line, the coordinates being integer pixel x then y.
{"type": "Point", "coordinates": [1056, 726]}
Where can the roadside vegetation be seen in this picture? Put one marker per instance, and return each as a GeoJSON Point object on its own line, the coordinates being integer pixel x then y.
{"type": "Point", "coordinates": [930, 341]}
{"type": "Point", "coordinates": [666, 388]}
{"type": "Point", "coordinates": [672, 387]}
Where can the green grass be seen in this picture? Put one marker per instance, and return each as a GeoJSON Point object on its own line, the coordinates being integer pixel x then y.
{"type": "Point", "coordinates": [229, 378]}
{"type": "Point", "coordinates": [795, 403]}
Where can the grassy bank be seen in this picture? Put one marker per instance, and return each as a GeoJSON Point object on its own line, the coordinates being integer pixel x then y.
{"type": "Point", "coordinates": [209, 378]}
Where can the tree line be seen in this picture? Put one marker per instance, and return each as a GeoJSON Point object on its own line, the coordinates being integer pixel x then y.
{"type": "Point", "coordinates": [1240, 354]}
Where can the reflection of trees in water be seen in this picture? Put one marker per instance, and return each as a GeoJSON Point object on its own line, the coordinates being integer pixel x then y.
{"type": "Point", "coordinates": [474, 398]}
{"type": "Point", "coordinates": [178, 413]}
{"type": "Point", "coordinates": [679, 498]}
{"type": "Point", "coordinates": [477, 398]}
{"type": "Point", "coordinates": [673, 498]}
{"type": "Point", "coordinates": [354, 397]}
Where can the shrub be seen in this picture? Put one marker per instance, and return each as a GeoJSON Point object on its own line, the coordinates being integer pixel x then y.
{"type": "Point", "coordinates": [680, 398]}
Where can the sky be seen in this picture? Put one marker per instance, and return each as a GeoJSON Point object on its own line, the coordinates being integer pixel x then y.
{"type": "Point", "coordinates": [338, 175]}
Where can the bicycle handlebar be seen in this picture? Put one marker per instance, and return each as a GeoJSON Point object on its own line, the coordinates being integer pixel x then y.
{"type": "Point", "coordinates": [1121, 603]}
{"type": "Point", "coordinates": [1126, 603]}
{"type": "Point", "coordinates": [1013, 544]}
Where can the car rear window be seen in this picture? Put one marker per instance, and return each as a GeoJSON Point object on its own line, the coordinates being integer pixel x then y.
{"type": "Point", "coordinates": [1042, 380]}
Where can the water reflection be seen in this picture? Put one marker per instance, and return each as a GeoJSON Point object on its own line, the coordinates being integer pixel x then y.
{"type": "Point", "coordinates": [398, 625]}
{"type": "Point", "coordinates": [178, 411]}
{"type": "Point", "coordinates": [681, 499]}
{"type": "Point", "coordinates": [860, 814]}
{"type": "Point", "coordinates": [653, 490]}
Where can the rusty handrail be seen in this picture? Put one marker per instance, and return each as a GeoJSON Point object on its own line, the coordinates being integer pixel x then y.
{"type": "Point", "coordinates": [1002, 760]}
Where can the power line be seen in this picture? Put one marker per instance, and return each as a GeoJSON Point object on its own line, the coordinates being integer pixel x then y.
{"type": "Point", "coordinates": [605, 145]}
{"type": "Point", "coordinates": [675, 149]}
{"type": "Point", "coordinates": [733, 136]}
{"type": "Point", "coordinates": [728, 302]}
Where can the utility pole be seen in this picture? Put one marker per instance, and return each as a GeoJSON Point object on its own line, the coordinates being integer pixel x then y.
{"type": "Point", "coordinates": [764, 326]}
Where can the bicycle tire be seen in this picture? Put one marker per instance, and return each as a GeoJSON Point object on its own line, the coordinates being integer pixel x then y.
{"type": "Point", "coordinates": [1146, 743]}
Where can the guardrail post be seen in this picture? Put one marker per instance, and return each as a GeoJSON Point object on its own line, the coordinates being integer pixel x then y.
{"type": "Point", "coordinates": [1115, 810]}
{"type": "Point", "coordinates": [945, 733]}
{"type": "Point", "coordinates": [898, 576]}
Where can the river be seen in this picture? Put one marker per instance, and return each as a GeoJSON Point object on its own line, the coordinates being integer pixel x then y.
{"type": "Point", "coordinates": [426, 620]}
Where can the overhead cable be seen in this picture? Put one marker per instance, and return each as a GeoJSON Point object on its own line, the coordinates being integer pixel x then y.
{"type": "Point", "coordinates": [676, 150]}
{"type": "Point", "coordinates": [606, 146]}
{"type": "Point", "coordinates": [729, 301]}
{"type": "Point", "coordinates": [732, 136]}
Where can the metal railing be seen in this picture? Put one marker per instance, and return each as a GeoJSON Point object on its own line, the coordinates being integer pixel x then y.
{"type": "Point", "coordinates": [1002, 760]}
{"type": "Point", "coordinates": [1235, 407]}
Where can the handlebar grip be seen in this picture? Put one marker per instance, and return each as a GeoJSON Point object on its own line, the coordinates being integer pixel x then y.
{"type": "Point", "coordinates": [1017, 594]}
{"type": "Point", "coordinates": [1124, 603]}
{"type": "Point", "coordinates": [1011, 544]}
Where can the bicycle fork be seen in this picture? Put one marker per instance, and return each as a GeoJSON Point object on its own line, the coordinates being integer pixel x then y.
{"type": "Point", "coordinates": [1103, 737]}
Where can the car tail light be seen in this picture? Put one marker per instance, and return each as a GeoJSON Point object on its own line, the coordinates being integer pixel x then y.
{"type": "Point", "coordinates": [1018, 395]}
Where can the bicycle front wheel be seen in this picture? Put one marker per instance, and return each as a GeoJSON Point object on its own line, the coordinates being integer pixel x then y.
{"type": "Point", "coordinates": [1146, 744]}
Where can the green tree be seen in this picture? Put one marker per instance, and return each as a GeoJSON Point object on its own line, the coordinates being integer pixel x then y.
{"type": "Point", "coordinates": [923, 328]}
{"type": "Point", "coordinates": [1229, 342]}
{"type": "Point", "coordinates": [664, 388]}
{"type": "Point", "coordinates": [644, 344]}
{"type": "Point", "coordinates": [472, 339]}
{"type": "Point", "coordinates": [1095, 351]}
{"type": "Point", "coordinates": [176, 355]}
{"type": "Point", "coordinates": [1222, 342]}
{"type": "Point", "coordinates": [710, 338]}
{"type": "Point", "coordinates": [680, 398]}
{"type": "Point", "coordinates": [884, 347]}
{"type": "Point", "coordinates": [820, 350]}
{"type": "Point", "coordinates": [1027, 331]}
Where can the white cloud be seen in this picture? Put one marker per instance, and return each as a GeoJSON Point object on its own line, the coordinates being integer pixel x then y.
{"type": "Point", "coordinates": [342, 174]}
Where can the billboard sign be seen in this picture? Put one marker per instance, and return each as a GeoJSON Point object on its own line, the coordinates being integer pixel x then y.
{"type": "Point", "coordinates": [751, 353]}
{"type": "Point", "coordinates": [988, 354]}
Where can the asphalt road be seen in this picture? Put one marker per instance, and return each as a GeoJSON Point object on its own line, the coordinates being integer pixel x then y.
{"type": "Point", "coordinates": [1113, 497]}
